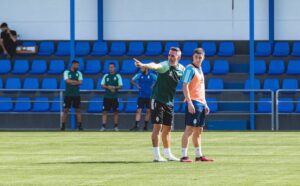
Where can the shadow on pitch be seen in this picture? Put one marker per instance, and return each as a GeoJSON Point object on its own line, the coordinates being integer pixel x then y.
{"type": "Point", "coordinates": [99, 162]}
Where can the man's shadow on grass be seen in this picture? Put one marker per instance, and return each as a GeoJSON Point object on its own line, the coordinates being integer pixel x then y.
{"type": "Point", "coordinates": [97, 162]}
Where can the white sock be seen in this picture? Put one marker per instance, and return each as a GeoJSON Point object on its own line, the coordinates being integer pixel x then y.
{"type": "Point", "coordinates": [184, 152]}
{"type": "Point", "coordinates": [156, 152]}
{"type": "Point", "coordinates": [167, 152]}
{"type": "Point", "coordinates": [198, 152]}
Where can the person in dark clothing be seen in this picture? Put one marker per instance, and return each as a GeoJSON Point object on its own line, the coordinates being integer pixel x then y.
{"type": "Point", "coordinates": [8, 41]}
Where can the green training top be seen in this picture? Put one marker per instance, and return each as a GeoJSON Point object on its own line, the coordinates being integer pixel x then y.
{"type": "Point", "coordinates": [72, 90]}
{"type": "Point", "coordinates": [167, 80]}
{"type": "Point", "coordinates": [111, 80]}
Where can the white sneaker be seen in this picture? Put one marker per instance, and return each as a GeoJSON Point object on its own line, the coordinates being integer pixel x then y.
{"type": "Point", "coordinates": [102, 129]}
{"type": "Point", "coordinates": [172, 158]}
{"type": "Point", "coordinates": [159, 159]}
{"type": "Point", "coordinates": [116, 129]}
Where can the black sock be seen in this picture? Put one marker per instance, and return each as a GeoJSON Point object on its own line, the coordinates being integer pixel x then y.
{"type": "Point", "coordinates": [63, 125]}
{"type": "Point", "coordinates": [146, 124]}
{"type": "Point", "coordinates": [137, 123]}
{"type": "Point", "coordinates": [104, 125]}
{"type": "Point", "coordinates": [116, 125]}
{"type": "Point", "coordinates": [79, 125]}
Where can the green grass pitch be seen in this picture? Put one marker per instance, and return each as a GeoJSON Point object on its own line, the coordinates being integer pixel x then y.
{"type": "Point", "coordinates": [125, 158]}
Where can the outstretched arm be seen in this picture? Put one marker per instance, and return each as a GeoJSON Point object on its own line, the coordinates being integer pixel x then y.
{"type": "Point", "coordinates": [152, 65]}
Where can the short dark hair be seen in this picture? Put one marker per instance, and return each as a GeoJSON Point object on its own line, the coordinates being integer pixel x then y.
{"type": "Point", "coordinates": [176, 49]}
{"type": "Point", "coordinates": [75, 61]}
{"type": "Point", "coordinates": [3, 25]}
{"type": "Point", "coordinates": [112, 64]}
{"type": "Point", "coordinates": [199, 51]}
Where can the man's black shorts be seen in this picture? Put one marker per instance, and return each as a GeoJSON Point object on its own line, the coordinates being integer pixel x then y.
{"type": "Point", "coordinates": [110, 103]}
{"type": "Point", "coordinates": [143, 102]}
{"type": "Point", "coordinates": [73, 101]}
{"type": "Point", "coordinates": [161, 113]}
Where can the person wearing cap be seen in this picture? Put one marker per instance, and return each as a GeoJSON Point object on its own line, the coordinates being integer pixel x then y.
{"type": "Point", "coordinates": [73, 79]}
{"type": "Point", "coordinates": [162, 101]}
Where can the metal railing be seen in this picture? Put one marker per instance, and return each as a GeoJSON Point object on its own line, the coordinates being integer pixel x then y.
{"type": "Point", "coordinates": [277, 100]}
{"type": "Point", "coordinates": [242, 91]}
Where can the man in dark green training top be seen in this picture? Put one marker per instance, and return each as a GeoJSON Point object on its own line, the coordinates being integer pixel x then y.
{"type": "Point", "coordinates": [111, 82]}
{"type": "Point", "coordinates": [73, 79]}
{"type": "Point", "coordinates": [162, 101]}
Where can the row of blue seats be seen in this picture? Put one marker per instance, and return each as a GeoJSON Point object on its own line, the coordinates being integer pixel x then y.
{"type": "Point", "coordinates": [135, 48]}
{"type": "Point", "coordinates": [277, 67]}
{"type": "Point", "coordinates": [279, 49]}
{"type": "Point", "coordinates": [89, 84]}
{"type": "Point", "coordinates": [95, 105]}
{"type": "Point", "coordinates": [93, 66]}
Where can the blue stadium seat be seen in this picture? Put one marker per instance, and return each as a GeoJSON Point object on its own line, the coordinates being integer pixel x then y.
{"type": "Point", "coordinates": [100, 48]}
{"type": "Point", "coordinates": [281, 49]}
{"type": "Point", "coordinates": [87, 84]}
{"type": "Point", "coordinates": [136, 48]}
{"type": "Point", "coordinates": [99, 86]}
{"type": "Point", "coordinates": [189, 47]}
{"type": "Point", "coordinates": [29, 43]}
{"type": "Point", "coordinates": [276, 67]}
{"type": "Point", "coordinates": [296, 49]}
{"type": "Point", "coordinates": [154, 48]}
{"type": "Point", "coordinates": [206, 66]}
{"type": "Point", "coordinates": [264, 105]}
{"type": "Point", "coordinates": [21, 66]}
{"type": "Point", "coordinates": [1, 83]}
{"type": "Point", "coordinates": [118, 48]}
{"type": "Point", "coordinates": [82, 48]}
{"type": "Point", "coordinates": [63, 48]}
{"type": "Point", "coordinates": [260, 67]}
{"type": "Point", "coordinates": [93, 66]}
{"type": "Point", "coordinates": [126, 83]}
{"type": "Point", "coordinates": [220, 67]}
{"type": "Point", "coordinates": [13, 83]}
{"type": "Point", "coordinates": [55, 105]}
{"type": "Point", "coordinates": [121, 105]}
{"type": "Point", "coordinates": [185, 62]}
{"type": "Point", "coordinates": [40, 104]}
{"type": "Point", "coordinates": [95, 105]}
{"type": "Point", "coordinates": [6, 104]}
{"type": "Point", "coordinates": [293, 67]}
{"type": "Point", "coordinates": [285, 105]}
{"type": "Point", "coordinates": [57, 66]}
{"type": "Point", "coordinates": [179, 86]}
{"type": "Point", "coordinates": [31, 83]}
{"type": "Point", "coordinates": [290, 84]}
{"type": "Point", "coordinates": [298, 106]}
{"type": "Point", "coordinates": [272, 84]}
{"type": "Point", "coordinates": [106, 66]}
{"type": "Point", "coordinates": [46, 48]}
{"type": "Point", "coordinates": [215, 84]}
{"type": "Point", "coordinates": [23, 104]}
{"type": "Point", "coordinates": [62, 84]}
{"type": "Point", "coordinates": [177, 106]}
{"type": "Point", "coordinates": [5, 65]}
{"type": "Point", "coordinates": [212, 104]}
{"type": "Point", "coordinates": [256, 84]}
{"type": "Point", "coordinates": [128, 67]}
{"type": "Point", "coordinates": [263, 49]}
{"type": "Point", "coordinates": [38, 66]}
{"type": "Point", "coordinates": [226, 49]}
{"type": "Point", "coordinates": [81, 64]}
{"type": "Point", "coordinates": [131, 105]}
{"type": "Point", "coordinates": [170, 44]}
{"type": "Point", "coordinates": [49, 84]}
{"type": "Point", "coordinates": [210, 48]}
